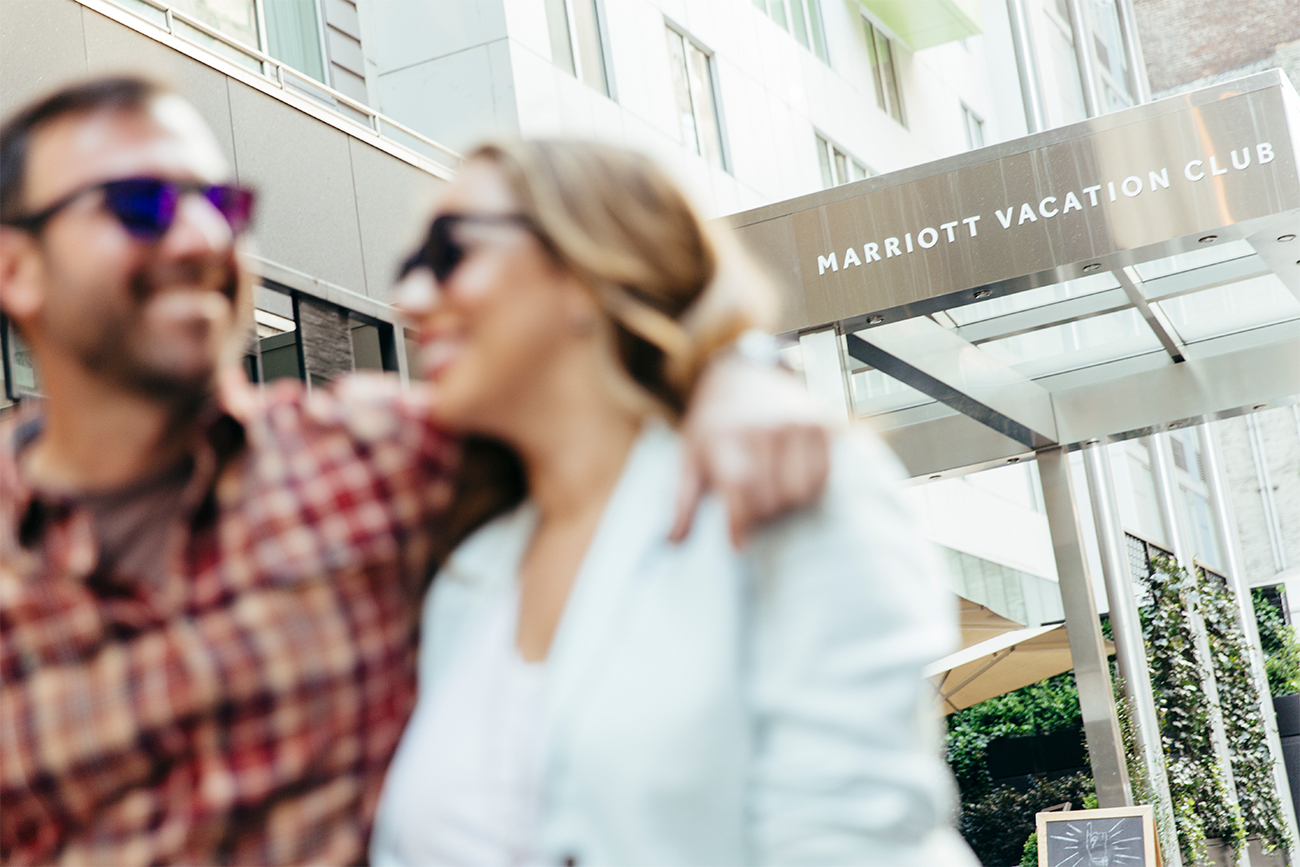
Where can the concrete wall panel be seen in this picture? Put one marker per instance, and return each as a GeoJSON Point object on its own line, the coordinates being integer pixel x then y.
{"type": "Point", "coordinates": [393, 202]}
{"type": "Point", "coordinates": [42, 45]}
{"type": "Point", "coordinates": [449, 99]}
{"type": "Point", "coordinates": [111, 48]}
{"type": "Point", "coordinates": [415, 31]}
{"type": "Point", "coordinates": [308, 216]}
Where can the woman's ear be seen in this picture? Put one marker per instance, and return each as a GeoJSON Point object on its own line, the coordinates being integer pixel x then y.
{"type": "Point", "coordinates": [582, 311]}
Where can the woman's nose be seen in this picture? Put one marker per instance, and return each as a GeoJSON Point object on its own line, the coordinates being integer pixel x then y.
{"type": "Point", "coordinates": [416, 293]}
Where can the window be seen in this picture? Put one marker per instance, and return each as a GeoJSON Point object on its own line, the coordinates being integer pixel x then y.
{"type": "Point", "coordinates": [802, 19]}
{"type": "Point", "coordinates": [1060, 70]}
{"type": "Point", "coordinates": [301, 337]}
{"type": "Point", "coordinates": [692, 70]}
{"type": "Point", "coordinates": [293, 35]}
{"type": "Point", "coordinates": [837, 166]}
{"type": "Point", "coordinates": [1112, 61]}
{"type": "Point", "coordinates": [974, 128]}
{"type": "Point", "coordinates": [880, 51]}
{"type": "Point", "coordinates": [292, 29]}
{"type": "Point", "coordinates": [578, 22]}
{"type": "Point", "coordinates": [17, 369]}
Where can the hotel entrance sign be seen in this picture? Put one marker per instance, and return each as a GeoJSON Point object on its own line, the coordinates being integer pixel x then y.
{"type": "Point", "coordinates": [1125, 187]}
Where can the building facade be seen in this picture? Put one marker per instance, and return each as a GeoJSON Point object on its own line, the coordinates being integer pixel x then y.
{"type": "Point", "coordinates": [349, 115]}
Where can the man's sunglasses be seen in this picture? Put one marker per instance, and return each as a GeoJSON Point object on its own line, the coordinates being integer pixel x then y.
{"type": "Point", "coordinates": [146, 207]}
{"type": "Point", "coordinates": [441, 252]}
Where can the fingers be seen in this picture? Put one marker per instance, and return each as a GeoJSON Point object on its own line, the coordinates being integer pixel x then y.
{"type": "Point", "coordinates": [774, 473]}
{"type": "Point", "coordinates": [745, 482]}
{"type": "Point", "coordinates": [688, 496]}
{"type": "Point", "coordinates": [804, 464]}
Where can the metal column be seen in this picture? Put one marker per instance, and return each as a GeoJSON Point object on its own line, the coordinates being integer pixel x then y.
{"type": "Point", "coordinates": [1087, 650]}
{"type": "Point", "coordinates": [1137, 64]}
{"type": "Point", "coordinates": [1031, 89]}
{"type": "Point", "coordinates": [824, 370]}
{"type": "Point", "coordinates": [1130, 649]}
{"type": "Point", "coordinates": [1084, 57]}
{"type": "Point", "coordinates": [1236, 573]}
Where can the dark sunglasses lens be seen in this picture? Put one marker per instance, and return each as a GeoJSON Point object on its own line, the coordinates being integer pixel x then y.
{"type": "Point", "coordinates": [442, 252]}
{"type": "Point", "coordinates": [144, 206]}
{"type": "Point", "coordinates": [234, 203]}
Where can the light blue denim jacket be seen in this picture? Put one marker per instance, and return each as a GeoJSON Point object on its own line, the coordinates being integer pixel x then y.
{"type": "Point", "coordinates": [710, 707]}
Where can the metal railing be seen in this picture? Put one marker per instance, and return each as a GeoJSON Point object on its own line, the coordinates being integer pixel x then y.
{"type": "Point", "coordinates": [1140, 554]}
{"type": "Point", "coordinates": [286, 78]}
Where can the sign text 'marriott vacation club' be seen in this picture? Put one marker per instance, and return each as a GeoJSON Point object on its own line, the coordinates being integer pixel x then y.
{"type": "Point", "coordinates": [1045, 209]}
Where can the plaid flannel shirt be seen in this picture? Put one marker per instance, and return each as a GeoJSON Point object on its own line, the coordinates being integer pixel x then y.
{"type": "Point", "coordinates": [246, 710]}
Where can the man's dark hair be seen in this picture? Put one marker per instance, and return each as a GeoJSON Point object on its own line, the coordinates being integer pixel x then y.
{"type": "Point", "coordinates": [117, 93]}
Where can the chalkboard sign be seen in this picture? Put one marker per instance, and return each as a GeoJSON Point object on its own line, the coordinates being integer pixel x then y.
{"type": "Point", "coordinates": [1117, 837]}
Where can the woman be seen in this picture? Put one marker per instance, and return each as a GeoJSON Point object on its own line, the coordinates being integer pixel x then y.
{"type": "Point", "coordinates": [592, 693]}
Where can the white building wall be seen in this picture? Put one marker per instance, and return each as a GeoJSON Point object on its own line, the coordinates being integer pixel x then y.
{"type": "Point", "coordinates": [462, 70]}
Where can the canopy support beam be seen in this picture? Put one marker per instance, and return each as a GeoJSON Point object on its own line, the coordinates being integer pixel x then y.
{"type": "Point", "coordinates": [1087, 647]}
{"type": "Point", "coordinates": [932, 359]}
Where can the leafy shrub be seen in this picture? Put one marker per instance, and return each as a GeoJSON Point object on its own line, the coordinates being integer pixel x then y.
{"type": "Point", "coordinates": [1040, 708]}
{"type": "Point", "coordinates": [998, 825]}
{"type": "Point", "coordinates": [1281, 648]}
{"type": "Point", "coordinates": [997, 822]}
{"type": "Point", "coordinates": [1196, 786]}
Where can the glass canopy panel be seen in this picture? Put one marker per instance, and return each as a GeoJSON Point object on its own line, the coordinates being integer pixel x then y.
{"type": "Point", "coordinates": [1072, 345]}
{"type": "Point", "coordinates": [875, 392]}
{"type": "Point", "coordinates": [1031, 298]}
{"type": "Point", "coordinates": [1183, 282]}
{"type": "Point", "coordinates": [1195, 259]}
{"type": "Point", "coordinates": [1231, 308]}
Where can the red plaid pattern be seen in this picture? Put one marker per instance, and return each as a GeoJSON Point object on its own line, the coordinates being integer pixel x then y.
{"type": "Point", "coordinates": [245, 711]}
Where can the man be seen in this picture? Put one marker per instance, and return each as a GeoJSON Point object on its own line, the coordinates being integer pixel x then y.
{"type": "Point", "coordinates": [207, 594]}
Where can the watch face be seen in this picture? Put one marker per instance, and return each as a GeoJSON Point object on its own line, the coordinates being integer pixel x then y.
{"type": "Point", "coordinates": [1116, 842]}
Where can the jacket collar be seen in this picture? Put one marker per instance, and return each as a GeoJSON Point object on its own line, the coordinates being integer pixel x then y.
{"type": "Point", "coordinates": [632, 531]}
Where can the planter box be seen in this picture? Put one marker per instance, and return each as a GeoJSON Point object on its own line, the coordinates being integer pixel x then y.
{"type": "Point", "coordinates": [1221, 854]}
{"type": "Point", "coordinates": [1287, 709]}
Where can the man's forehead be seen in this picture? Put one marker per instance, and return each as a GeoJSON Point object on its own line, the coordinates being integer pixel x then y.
{"type": "Point", "coordinates": [168, 138]}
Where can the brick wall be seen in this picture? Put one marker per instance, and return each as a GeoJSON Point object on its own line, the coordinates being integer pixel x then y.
{"type": "Point", "coordinates": [1189, 40]}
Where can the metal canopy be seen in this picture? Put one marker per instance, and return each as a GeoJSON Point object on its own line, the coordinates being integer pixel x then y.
{"type": "Point", "coordinates": [1108, 279]}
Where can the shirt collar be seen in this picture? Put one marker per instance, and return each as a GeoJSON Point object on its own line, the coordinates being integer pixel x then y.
{"type": "Point", "coordinates": [220, 435]}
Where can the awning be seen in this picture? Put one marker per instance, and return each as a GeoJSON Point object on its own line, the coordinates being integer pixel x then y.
{"type": "Point", "coordinates": [926, 23]}
{"type": "Point", "coordinates": [1102, 280]}
{"type": "Point", "coordinates": [980, 623]}
{"type": "Point", "coordinates": [1001, 664]}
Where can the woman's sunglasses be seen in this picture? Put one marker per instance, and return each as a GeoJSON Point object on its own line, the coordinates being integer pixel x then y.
{"type": "Point", "coordinates": [441, 252]}
{"type": "Point", "coordinates": [146, 207]}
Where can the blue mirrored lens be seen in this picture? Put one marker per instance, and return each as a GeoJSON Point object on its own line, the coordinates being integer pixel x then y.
{"type": "Point", "coordinates": [144, 206]}
{"type": "Point", "coordinates": [234, 203]}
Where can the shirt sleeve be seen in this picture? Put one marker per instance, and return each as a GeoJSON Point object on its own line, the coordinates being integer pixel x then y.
{"type": "Point", "coordinates": [370, 428]}
{"type": "Point", "coordinates": [849, 607]}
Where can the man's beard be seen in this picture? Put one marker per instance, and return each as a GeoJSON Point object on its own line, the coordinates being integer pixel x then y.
{"type": "Point", "coordinates": [114, 352]}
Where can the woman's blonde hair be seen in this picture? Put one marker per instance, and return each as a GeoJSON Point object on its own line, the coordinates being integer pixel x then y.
{"type": "Point", "coordinates": [675, 288]}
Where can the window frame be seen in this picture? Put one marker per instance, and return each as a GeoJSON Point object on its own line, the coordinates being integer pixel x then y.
{"type": "Point", "coordinates": [971, 121]}
{"type": "Point", "coordinates": [814, 27]}
{"type": "Point", "coordinates": [828, 155]}
{"type": "Point", "coordinates": [715, 94]}
{"type": "Point", "coordinates": [604, 67]}
{"type": "Point", "coordinates": [889, 94]}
